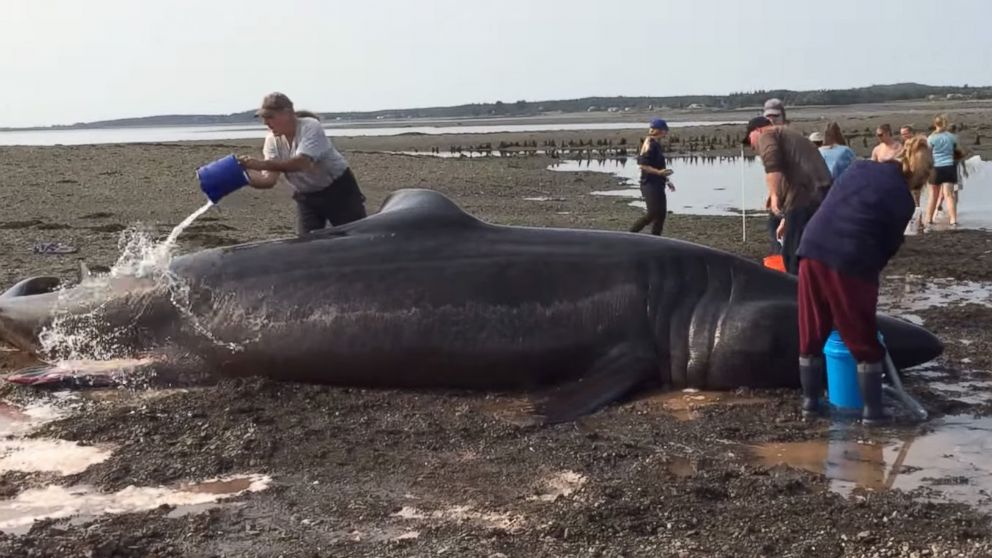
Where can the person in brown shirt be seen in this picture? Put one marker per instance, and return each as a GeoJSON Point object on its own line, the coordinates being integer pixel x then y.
{"type": "Point", "coordinates": [797, 178]}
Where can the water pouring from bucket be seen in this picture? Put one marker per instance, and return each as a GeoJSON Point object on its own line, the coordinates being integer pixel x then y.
{"type": "Point", "coordinates": [221, 177]}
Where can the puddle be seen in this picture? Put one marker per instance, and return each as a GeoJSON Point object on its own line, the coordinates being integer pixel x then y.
{"type": "Point", "coordinates": [49, 456]}
{"type": "Point", "coordinates": [704, 185]}
{"type": "Point", "coordinates": [722, 185]}
{"type": "Point", "coordinates": [904, 295]}
{"type": "Point", "coordinates": [16, 420]}
{"type": "Point", "coordinates": [951, 461]}
{"type": "Point", "coordinates": [685, 405]}
{"type": "Point", "coordinates": [972, 393]}
{"type": "Point", "coordinates": [83, 503]}
{"type": "Point", "coordinates": [63, 457]}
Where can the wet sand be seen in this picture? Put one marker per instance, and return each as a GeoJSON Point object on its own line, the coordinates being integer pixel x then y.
{"type": "Point", "coordinates": [386, 473]}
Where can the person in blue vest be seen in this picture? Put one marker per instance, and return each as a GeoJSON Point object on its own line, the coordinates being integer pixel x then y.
{"type": "Point", "coordinates": [858, 228]}
{"type": "Point", "coordinates": [654, 179]}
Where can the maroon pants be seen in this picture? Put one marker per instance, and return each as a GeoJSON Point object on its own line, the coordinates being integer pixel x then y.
{"type": "Point", "coordinates": [830, 300]}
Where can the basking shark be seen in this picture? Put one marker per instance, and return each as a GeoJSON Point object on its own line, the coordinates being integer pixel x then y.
{"type": "Point", "coordinates": [424, 295]}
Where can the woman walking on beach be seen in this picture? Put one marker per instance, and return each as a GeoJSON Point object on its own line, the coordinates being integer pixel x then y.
{"type": "Point", "coordinates": [852, 237]}
{"type": "Point", "coordinates": [654, 179]}
{"type": "Point", "coordinates": [943, 144]}
{"type": "Point", "coordinates": [297, 147]}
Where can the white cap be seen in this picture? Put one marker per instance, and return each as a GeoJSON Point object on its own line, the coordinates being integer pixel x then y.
{"type": "Point", "coordinates": [816, 137]}
{"type": "Point", "coordinates": [774, 107]}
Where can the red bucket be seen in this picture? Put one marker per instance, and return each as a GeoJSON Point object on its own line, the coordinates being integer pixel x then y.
{"type": "Point", "coordinates": [775, 262]}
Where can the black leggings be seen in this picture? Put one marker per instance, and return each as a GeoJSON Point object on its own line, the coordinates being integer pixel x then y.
{"type": "Point", "coordinates": [657, 202]}
{"type": "Point", "coordinates": [341, 202]}
{"type": "Point", "coordinates": [795, 223]}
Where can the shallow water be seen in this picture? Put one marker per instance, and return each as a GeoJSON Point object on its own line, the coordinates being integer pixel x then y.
{"type": "Point", "coordinates": [715, 186]}
{"type": "Point", "coordinates": [950, 457]}
{"type": "Point", "coordinates": [686, 404]}
{"type": "Point", "coordinates": [703, 185]}
{"type": "Point", "coordinates": [241, 131]}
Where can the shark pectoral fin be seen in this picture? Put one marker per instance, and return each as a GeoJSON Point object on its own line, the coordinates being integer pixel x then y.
{"type": "Point", "coordinates": [608, 379]}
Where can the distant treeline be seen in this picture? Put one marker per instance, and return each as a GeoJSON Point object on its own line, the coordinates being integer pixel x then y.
{"type": "Point", "coordinates": [871, 94]}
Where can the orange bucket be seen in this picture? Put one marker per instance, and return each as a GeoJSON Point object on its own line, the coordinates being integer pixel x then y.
{"type": "Point", "coordinates": [776, 262]}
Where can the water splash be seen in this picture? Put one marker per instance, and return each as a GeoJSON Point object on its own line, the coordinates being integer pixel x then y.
{"type": "Point", "coordinates": [143, 257]}
{"type": "Point", "coordinates": [79, 329]}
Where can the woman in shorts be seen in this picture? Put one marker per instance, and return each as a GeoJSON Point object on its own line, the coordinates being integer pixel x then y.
{"type": "Point", "coordinates": [945, 175]}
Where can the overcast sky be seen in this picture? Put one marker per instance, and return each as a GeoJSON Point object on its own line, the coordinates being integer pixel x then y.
{"type": "Point", "coordinates": [66, 61]}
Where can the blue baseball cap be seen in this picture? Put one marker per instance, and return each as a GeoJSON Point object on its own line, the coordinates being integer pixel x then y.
{"type": "Point", "coordinates": [659, 124]}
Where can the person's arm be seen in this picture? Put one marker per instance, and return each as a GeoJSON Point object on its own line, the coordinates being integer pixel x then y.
{"type": "Point", "coordinates": [771, 158]}
{"type": "Point", "coordinates": [262, 180]}
{"type": "Point", "coordinates": [650, 155]}
{"type": "Point", "coordinates": [774, 182]}
{"type": "Point", "coordinates": [296, 164]}
{"type": "Point", "coordinates": [258, 178]}
{"type": "Point", "coordinates": [651, 170]}
{"type": "Point", "coordinates": [874, 154]}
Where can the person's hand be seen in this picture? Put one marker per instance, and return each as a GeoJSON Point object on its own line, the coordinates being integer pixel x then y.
{"type": "Point", "coordinates": [666, 172]}
{"type": "Point", "coordinates": [780, 231]}
{"type": "Point", "coordinates": [249, 163]}
{"type": "Point", "coordinates": [773, 205]}
{"type": "Point", "coordinates": [671, 186]}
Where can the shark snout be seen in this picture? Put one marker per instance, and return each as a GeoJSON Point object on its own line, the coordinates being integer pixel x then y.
{"type": "Point", "coordinates": [24, 310]}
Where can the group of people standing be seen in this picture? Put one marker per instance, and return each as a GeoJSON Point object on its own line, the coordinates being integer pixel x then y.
{"type": "Point", "coordinates": [840, 220]}
{"type": "Point", "coordinates": [837, 221]}
{"type": "Point", "coordinates": [944, 183]}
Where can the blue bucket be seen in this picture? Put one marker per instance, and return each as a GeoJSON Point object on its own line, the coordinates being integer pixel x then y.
{"type": "Point", "coordinates": [842, 374]}
{"type": "Point", "coordinates": [221, 177]}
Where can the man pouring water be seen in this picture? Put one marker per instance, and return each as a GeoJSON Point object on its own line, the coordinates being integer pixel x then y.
{"type": "Point", "coordinates": [297, 148]}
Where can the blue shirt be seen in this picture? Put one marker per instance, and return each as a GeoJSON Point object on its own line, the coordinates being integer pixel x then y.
{"type": "Point", "coordinates": [653, 157]}
{"type": "Point", "coordinates": [838, 158]}
{"type": "Point", "coordinates": [861, 223]}
{"type": "Point", "coordinates": [942, 144]}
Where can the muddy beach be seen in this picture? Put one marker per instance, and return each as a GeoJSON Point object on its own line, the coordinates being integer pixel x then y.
{"type": "Point", "coordinates": [386, 473]}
